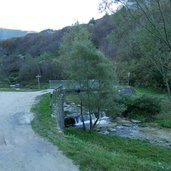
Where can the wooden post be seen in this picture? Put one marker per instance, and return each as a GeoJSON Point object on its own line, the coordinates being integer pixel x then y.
{"type": "Point", "coordinates": [38, 80]}
{"type": "Point", "coordinates": [62, 111]}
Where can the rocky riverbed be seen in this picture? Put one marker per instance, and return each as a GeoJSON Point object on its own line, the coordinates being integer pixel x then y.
{"type": "Point", "coordinates": [126, 128]}
{"type": "Point", "coordinates": [135, 130]}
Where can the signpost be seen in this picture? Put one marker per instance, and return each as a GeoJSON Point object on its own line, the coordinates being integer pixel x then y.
{"type": "Point", "coordinates": [38, 80]}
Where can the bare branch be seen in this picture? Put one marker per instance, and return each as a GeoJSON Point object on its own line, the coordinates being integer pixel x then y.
{"type": "Point", "coordinates": [164, 23]}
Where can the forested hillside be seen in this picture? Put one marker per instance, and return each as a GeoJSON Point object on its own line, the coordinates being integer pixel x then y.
{"type": "Point", "coordinates": [136, 40]}
{"type": "Point", "coordinates": [38, 53]}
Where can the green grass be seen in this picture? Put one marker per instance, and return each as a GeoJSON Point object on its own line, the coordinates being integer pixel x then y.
{"type": "Point", "coordinates": [14, 90]}
{"type": "Point", "coordinates": [164, 118]}
{"type": "Point", "coordinates": [33, 85]}
{"type": "Point", "coordinates": [96, 152]}
{"type": "Point", "coordinates": [139, 91]}
{"type": "Point", "coordinates": [73, 97]}
{"type": "Point", "coordinates": [17, 90]}
{"type": "Point", "coordinates": [25, 89]}
{"type": "Point", "coordinates": [8, 89]}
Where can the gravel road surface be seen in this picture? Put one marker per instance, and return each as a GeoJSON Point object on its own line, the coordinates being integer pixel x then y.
{"type": "Point", "coordinates": [20, 148]}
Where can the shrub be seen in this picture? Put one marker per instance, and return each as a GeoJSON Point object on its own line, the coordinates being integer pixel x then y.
{"type": "Point", "coordinates": [144, 107]}
{"type": "Point", "coordinates": [118, 106]}
{"type": "Point", "coordinates": [164, 119]}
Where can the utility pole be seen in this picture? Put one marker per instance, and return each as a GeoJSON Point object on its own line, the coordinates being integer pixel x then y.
{"type": "Point", "coordinates": [38, 80]}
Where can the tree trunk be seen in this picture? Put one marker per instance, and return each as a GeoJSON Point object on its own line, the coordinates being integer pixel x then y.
{"type": "Point", "coordinates": [98, 116]}
{"type": "Point", "coordinates": [81, 106]}
{"type": "Point", "coordinates": [91, 123]}
{"type": "Point", "coordinates": [168, 89]}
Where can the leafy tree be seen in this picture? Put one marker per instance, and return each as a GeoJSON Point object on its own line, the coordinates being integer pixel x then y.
{"type": "Point", "coordinates": [155, 20]}
{"type": "Point", "coordinates": [29, 69]}
{"type": "Point", "coordinates": [159, 55]}
{"type": "Point", "coordinates": [90, 69]}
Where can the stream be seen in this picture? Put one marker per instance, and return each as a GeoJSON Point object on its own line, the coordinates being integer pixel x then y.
{"type": "Point", "coordinates": [121, 127]}
{"type": "Point", "coordinates": [135, 130]}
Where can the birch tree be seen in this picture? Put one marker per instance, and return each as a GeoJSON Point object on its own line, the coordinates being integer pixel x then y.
{"type": "Point", "coordinates": [155, 21]}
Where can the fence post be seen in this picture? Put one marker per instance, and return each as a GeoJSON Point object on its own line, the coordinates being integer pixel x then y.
{"type": "Point", "coordinates": [61, 113]}
{"type": "Point", "coordinates": [57, 106]}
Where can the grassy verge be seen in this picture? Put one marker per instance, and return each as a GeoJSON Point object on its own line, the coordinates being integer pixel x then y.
{"type": "Point", "coordinates": [164, 118]}
{"type": "Point", "coordinates": [150, 91]}
{"type": "Point", "coordinates": [28, 87]}
{"type": "Point", "coordinates": [8, 89]}
{"type": "Point", "coordinates": [17, 90]}
{"type": "Point", "coordinates": [92, 151]}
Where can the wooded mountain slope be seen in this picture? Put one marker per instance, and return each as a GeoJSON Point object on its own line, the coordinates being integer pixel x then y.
{"type": "Point", "coordinates": [126, 37]}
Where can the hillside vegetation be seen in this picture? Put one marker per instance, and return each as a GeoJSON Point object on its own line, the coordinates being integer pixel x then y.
{"type": "Point", "coordinates": [126, 37]}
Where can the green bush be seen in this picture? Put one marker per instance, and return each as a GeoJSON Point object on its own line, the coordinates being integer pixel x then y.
{"type": "Point", "coordinates": [144, 107]}
{"type": "Point", "coordinates": [164, 119]}
{"type": "Point", "coordinates": [118, 106]}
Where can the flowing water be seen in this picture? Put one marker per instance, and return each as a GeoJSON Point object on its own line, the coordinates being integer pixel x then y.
{"type": "Point", "coordinates": [122, 127]}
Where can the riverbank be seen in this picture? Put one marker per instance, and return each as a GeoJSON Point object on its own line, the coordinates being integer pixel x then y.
{"type": "Point", "coordinates": [93, 151]}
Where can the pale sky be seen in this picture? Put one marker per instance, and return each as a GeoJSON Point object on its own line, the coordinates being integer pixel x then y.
{"type": "Point", "coordinates": [37, 15]}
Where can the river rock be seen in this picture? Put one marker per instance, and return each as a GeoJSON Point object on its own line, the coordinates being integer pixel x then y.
{"type": "Point", "coordinates": [70, 108]}
{"type": "Point", "coordinates": [120, 120]}
{"type": "Point", "coordinates": [135, 121]}
{"type": "Point", "coordinates": [127, 125]}
{"type": "Point", "coordinates": [111, 129]}
{"type": "Point", "coordinates": [105, 132]}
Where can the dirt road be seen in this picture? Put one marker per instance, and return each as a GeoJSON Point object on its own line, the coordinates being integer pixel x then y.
{"type": "Point", "coordinates": [20, 148]}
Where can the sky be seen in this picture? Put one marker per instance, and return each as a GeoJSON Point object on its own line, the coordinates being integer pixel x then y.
{"type": "Point", "coordinates": [37, 15]}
